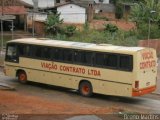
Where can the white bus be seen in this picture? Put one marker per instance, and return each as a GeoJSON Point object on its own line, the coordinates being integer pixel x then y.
{"type": "Point", "coordinates": [86, 67]}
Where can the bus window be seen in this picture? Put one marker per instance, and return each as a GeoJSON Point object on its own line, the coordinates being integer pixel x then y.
{"type": "Point", "coordinates": [125, 62]}
{"type": "Point", "coordinates": [25, 50]}
{"type": "Point", "coordinates": [111, 60]}
{"type": "Point", "coordinates": [47, 53]}
{"type": "Point", "coordinates": [82, 57]}
{"type": "Point", "coordinates": [77, 56]}
{"type": "Point", "coordinates": [99, 59]}
{"type": "Point", "coordinates": [57, 54]}
{"type": "Point", "coordinates": [11, 54]}
{"type": "Point", "coordinates": [21, 50]}
{"type": "Point", "coordinates": [86, 58]}
{"type": "Point", "coordinates": [38, 51]}
{"type": "Point", "coordinates": [68, 55]}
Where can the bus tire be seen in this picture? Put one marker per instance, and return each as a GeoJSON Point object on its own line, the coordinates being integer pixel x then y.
{"type": "Point", "coordinates": [85, 89]}
{"type": "Point", "coordinates": [22, 77]}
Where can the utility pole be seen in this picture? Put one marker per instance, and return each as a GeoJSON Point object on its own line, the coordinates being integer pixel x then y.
{"type": "Point", "coordinates": [2, 26]}
{"type": "Point", "coordinates": [149, 25]}
{"type": "Point", "coordinates": [35, 7]}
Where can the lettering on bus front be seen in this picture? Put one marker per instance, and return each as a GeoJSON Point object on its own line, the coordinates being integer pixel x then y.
{"type": "Point", "coordinates": [148, 60]}
{"type": "Point", "coordinates": [78, 70]}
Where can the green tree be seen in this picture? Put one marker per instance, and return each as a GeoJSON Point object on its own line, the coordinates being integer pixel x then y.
{"type": "Point", "coordinates": [53, 23]}
{"type": "Point", "coordinates": [143, 11]}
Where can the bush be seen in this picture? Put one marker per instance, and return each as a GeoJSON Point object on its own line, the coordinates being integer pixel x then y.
{"type": "Point", "coordinates": [111, 28]}
{"type": "Point", "coordinates": [70, 30]}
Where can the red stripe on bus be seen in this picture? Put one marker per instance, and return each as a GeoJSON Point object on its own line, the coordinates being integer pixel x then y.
{"type": "Point", "coordinates": [143, 91]}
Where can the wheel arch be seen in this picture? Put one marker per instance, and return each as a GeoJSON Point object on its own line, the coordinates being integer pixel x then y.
{"type": "Point", "coordinates": [18, 71]}
{"type": "Point", "coordinates": [85, 88]}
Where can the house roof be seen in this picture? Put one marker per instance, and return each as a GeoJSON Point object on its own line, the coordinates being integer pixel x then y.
{"type": "Point", "coordinates": [13, 10]}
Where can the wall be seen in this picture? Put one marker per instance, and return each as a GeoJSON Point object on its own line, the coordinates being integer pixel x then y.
{"type": "Point", "coordinates": [110, 16]}
{"type": "Point", "coordinates": [151, 43]}
{"type": "Point", "coordinates": [37, 17]}
{"type": "Point", "coordinates": [40, 28]}
{"type": "Point", "coordinates": [72, 13]}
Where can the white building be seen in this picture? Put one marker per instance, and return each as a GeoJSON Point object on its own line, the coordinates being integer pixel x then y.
{"type": "Point", "coordinates": [46, 3]}
{"type": "Point", "coordinates": [72, 13]}
{"type": "Point", "coordinates": [102, 1]}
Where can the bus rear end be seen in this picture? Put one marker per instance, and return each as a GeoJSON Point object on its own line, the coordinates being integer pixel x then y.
{"type": "Point", "coordinates": [146, 72]}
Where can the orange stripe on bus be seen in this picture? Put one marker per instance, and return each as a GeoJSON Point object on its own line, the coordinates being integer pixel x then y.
{"type": "Point", "coordinates": [143, 91]}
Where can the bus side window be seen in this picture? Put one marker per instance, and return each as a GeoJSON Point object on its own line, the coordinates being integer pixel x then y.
{"type": "Point", "coordinates": [21, 50]}
{"type": "Point", "coordinates": [125, 62]}
{"type": "Point", "coordinates": [57, 54]}
{"type": "Point", "coordinates": [67, 55]}
{"type": "Point", "coordinates": [47, 53]}
{"type": "Point", "coordinates": [111, 60]}
{"type": "Point", "coordinates": [99, 59]}
{"type": "Point", "coordinates": [25, 50]}
{"type": "Point", "coordinates": [83, 57]}
{"type": "Point", "coordinates": [86, 58]}
{"type": "Point", "coordinates": [77, 56]}
{"type": "Point", "coordinates": [38, 51]}
{"type": "Point", "coordinates": [12, 55]}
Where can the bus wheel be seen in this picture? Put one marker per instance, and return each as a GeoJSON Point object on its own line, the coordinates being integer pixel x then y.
{"type": "Point", "coordinates": [22, 77]}
{"type": "Point", "coordinates": [85, 89]}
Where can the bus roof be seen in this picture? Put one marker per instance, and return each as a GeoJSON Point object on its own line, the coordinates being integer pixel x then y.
{"type": "Point", "coordinates": [77, 45]}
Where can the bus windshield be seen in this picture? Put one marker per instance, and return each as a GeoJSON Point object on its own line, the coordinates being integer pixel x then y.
{"type": "Point", "coordinates": [11, 54]}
